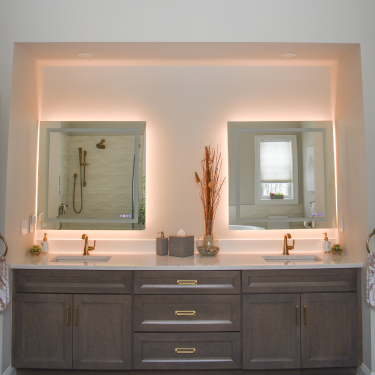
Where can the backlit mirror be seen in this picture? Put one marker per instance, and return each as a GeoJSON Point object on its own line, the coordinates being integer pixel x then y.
{"type": "Point", "coordinates": [281, 175]}
{"type": "Point", "coordinates": [91, 175]}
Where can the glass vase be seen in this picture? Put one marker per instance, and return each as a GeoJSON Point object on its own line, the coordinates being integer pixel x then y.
{"type": "Point", "coordinates": [208, 244]}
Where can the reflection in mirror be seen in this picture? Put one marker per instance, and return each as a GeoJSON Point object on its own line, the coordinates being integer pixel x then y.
{"type": "Point", "coordinates": [281, 175]}
{"type": "Point", "coordinates": [91, 175]}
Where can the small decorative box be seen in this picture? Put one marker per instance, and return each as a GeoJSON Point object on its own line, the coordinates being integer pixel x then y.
{"type": "Point", "coordinates": [181, 246]}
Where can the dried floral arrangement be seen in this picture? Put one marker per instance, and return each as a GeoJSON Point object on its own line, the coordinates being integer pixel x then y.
{"type": "Point", "coordinates": [211, 185]}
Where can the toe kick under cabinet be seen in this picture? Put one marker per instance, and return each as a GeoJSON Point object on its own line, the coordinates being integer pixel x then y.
{"type": "Point", "coordinates": [226, 321]}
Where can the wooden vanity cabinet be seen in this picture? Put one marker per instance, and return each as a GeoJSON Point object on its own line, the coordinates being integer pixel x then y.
{"type": "Point", "coordinates": [41, 336]}
{"type": "Point", "coordinates": [187, 329]}
{"type": "Point", "coordinates": [288, 330]}
{"type": "Point", "coordinates": [71, 331]}
{"type": "Point", "coordinates": [102, 334]}
{"type": "Point", "coordinates": [329, 330]}
{"type": "Point", "coordinates": [237, 322]}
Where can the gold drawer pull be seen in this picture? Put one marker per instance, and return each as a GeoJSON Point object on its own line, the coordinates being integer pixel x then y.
{"type": "Point", "coordinates": [297, 316]}
{"type": "Point", "coordinates": [305, 310]}
{"type": "Point", "coordinates": [187, 282]}
{"type": "Point", "coordinates": [67, 316]}
{"type": "Point", "coordinates": [75, 315]}
{"type": "Point", "coordinates": [184, 350]}
{"type": "Point", "coordinates": [184, 313]}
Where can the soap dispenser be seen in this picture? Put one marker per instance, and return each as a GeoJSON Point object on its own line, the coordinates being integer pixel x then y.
{"type": "Point", "coordinates": [326, 245]}
{"type": "Point", "coordinates": [45, 245]}
{"type": "Point", "coordinates": [161, 244]}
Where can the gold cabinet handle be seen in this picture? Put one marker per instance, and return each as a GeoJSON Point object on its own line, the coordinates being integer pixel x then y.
{"type": "Point", "coordinates": [75, 315]}
{"type": "Point", "coordinates": [297, 316]}
{"type": "Point", "coordinates": [187, 282]}
{"type": "Point", "coordinates": [67, 316]}
{"type": "Point", "coordinates": [184, 350]}
{"type": "Point", "coordinates": [305, 310]}
{"type": "Point", "coordinates": [184, 313]}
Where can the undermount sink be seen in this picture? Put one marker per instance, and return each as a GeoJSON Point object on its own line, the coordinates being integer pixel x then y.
{"type": "Point", "coordinates": [81, 258]}
{"type": "Point", "coordinates": [291, 258]}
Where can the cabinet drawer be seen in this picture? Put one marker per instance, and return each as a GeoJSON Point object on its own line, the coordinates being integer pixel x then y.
{"type": "Point", "coordinates": [187, 351]}
{"type": "Point", "coordinates": [187, 313]}
{"type": "Point", "coordinates": [67, 281]}
{"type": "Point", "coordinates": [187, 282]}
{"type": "Point", "coordinates": [299, 281]}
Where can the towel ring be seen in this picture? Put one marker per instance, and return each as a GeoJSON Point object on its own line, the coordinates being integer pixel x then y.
{"type": "Point", "coordinates": [368, 240]}
{"type": "Point", "coordinates": [5, 244]}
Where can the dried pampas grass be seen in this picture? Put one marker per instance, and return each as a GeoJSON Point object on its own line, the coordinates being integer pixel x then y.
{"type": "Point", "coordinates": [211, 185]}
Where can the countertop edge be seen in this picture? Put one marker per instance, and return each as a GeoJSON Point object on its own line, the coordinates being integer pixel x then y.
{"type": "Point", "coordinates": [185, 268]}
{"type": "Point", "coordinates": [152, 262]}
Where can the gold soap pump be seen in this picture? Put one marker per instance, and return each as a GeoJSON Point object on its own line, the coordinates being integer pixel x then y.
{"type": "Point", "coordinates": [326, 244]}
{"type": "Point", "coordinates": [45, 245]}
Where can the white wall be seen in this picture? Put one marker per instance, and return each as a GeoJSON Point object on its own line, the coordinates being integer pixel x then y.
{"type": "Point", "coordinates": [21, 180]}
{"type": "Point", "coordinates": [352, 198]}
{"type": "Point", "coordinates": [184, 106]}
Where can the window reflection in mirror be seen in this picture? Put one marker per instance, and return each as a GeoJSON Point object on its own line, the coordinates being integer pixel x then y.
{"type": "Point", "coordinates": [281, 175]}
{"type": "Point", "coordinates": [91, 175]}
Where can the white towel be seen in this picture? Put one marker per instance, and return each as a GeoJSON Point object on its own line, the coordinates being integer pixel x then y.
{"type": "Point", "coordinates": [4, 284]}
{"type": "Point", "coordinates": [371, 280]}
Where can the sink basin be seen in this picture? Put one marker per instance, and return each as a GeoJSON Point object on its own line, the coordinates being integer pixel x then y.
{"type": "Point", "coordinates": [291, 258]}
{"type": "Point", "coordinates": [81, 259]}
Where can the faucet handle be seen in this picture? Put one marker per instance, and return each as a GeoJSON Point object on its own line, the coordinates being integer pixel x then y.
{"type": "Point", "coordinates": [291, 247]}
{"type": "Point", "coordinates": [92, 247]}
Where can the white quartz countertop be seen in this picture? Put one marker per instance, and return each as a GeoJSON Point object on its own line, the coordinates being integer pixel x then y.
{"type": "Point", "coordinates": [151, 261]}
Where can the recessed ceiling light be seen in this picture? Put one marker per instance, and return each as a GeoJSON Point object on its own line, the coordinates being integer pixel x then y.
{"type": "Point", "coordinates": [289, 54]}
{"type": "Point", "coordinates": [85, 54]}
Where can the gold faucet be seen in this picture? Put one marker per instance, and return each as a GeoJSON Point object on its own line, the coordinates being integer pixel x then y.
{"type": "Point", "coordinates": [87, 248]}
{"type": "Point", "coordinates": [286, 247]}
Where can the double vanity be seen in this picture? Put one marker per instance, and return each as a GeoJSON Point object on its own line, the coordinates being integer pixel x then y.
{"type": "Point", "coordinates": [235, 313]}
{"type": "Point", "coordinates": [229, 314]}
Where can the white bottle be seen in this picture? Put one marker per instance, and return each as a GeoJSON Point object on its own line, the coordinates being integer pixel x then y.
{"type": "Point", "coordinates": [45, 245]}
{"type": "Point", "coordinates": [326, 245]}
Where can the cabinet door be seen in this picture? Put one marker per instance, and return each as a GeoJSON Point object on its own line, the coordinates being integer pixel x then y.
{"type": "Point", "coordinates": [271, 331]}
{"type": "Point", "coordinates": [42, 331]}
{"type": "Point", "coordinates": [102, 332]}
{"type": "Point", "coordinates": [329, 330]}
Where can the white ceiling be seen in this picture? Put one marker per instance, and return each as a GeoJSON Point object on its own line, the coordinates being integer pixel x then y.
{"type": "Point", "coordinates": [104, 54]}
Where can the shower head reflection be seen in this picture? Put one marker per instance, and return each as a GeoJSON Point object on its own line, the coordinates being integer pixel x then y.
{"type": "Point", "coordinates": [101, 144]}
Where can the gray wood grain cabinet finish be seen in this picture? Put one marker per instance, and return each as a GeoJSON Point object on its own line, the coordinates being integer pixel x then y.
{"type": "Point", "coordinates": [164, 351]}
{"type": "Point", "coordinates": [329, 330]}
{"type": "Point", "coordinates": [71, 331]}
{"type": "Point", "coordinates": [73, 281]}
{"type": "Point", "coordinates": [169, 328]}
{"type": "Point", "coordinates": [301, 330]}
{"type": "Point", "coordinates": [41, 336]}
{"type": "Point", "coordinates": [190, 313]}
{"type": "Point", "coordinates": [271, 331]}
{"type": "Point", "coordinates": [229, 322]}
{"type": "Point", "coordinates": [187, 282]}
{"type": "Point", "coordinates": [102, 335]}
